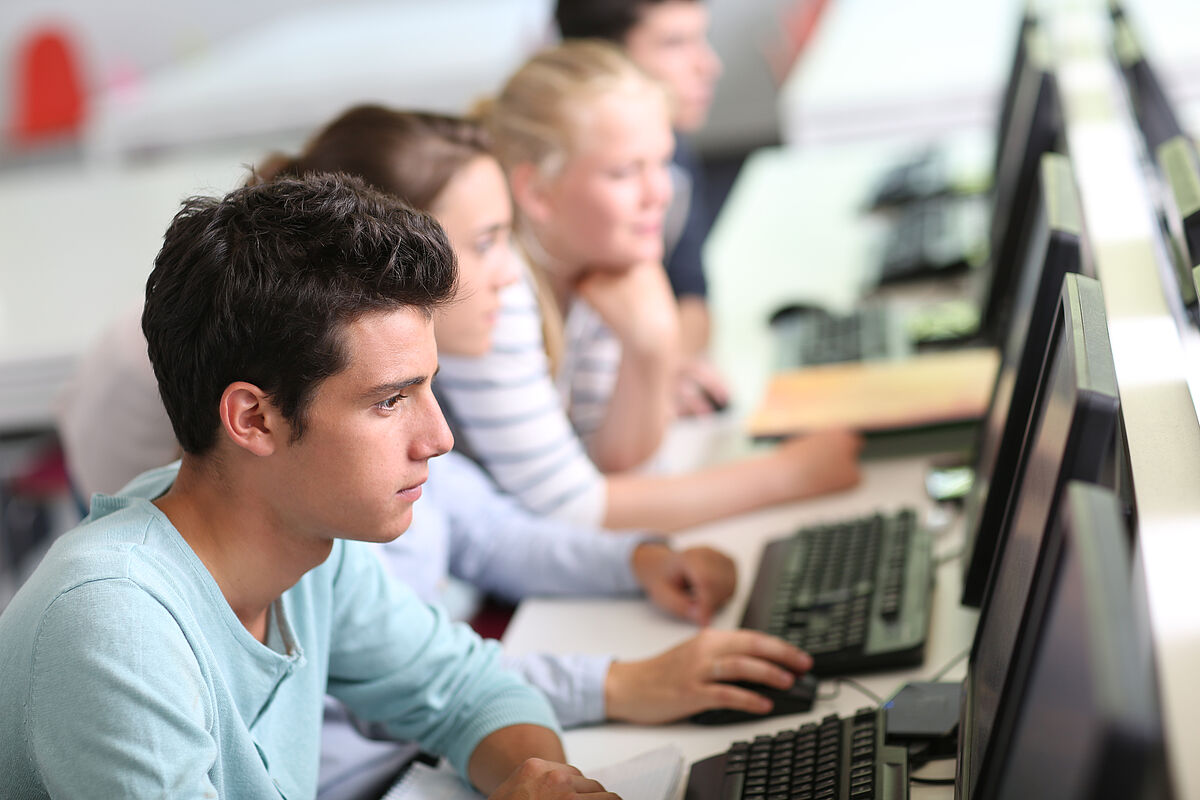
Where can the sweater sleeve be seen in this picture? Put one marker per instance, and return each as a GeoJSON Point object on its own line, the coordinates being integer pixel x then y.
{"type": "Point", "coordinates": [401, 663]}
{"type": "Point", "coordinates": [508, 416]}
{"type": "Point", "coordinates": [118, 706]}
{"type": "Point", "coordinates": [501, 547]}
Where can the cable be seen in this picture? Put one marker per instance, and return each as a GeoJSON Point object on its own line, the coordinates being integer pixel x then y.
{"type": "Point", "coordinates": [953, 555]}
{"type": "Point", "coordinates": [862, 690]}
{"type": "Point", "coordinates": [941, 673]}
{"type": "Point", "coordinates": [837, 690]}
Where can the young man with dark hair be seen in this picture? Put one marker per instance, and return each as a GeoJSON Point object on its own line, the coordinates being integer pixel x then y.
{"type": "Point", "coordinates": [669, 40]}
{"type": "Point", "coordinates": [179, 642]}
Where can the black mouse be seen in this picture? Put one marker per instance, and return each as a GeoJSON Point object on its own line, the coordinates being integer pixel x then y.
{"type": "Point", "coordinates": [797, 699]}
{"type": "Point", "coordinates": [787, 313]}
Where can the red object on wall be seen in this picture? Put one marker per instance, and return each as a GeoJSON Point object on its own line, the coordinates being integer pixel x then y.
{"type": "Point", "coordinates": [49, 94]}
{"type": "Point", "coordinates": [798, 24]}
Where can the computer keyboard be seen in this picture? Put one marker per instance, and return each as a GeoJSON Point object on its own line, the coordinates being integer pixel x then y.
{"type": "Point", "coordinates": [842, 758]}
{"type": "Point", "coordinates": [871, 333]}
{"type": "Point", "coordinates": [929, 238]}
{"type": "Point", "coordinates": [925, 175]}
{"type": "Point", "coordinates": [855, 594]}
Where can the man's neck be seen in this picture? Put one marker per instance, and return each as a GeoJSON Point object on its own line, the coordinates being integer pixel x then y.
{"type": "Point", "coordinates": [241, 540]}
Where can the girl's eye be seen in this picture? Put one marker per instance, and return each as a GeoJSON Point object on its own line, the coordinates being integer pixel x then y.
{"type": "Point", "coordinates": [482, 246]}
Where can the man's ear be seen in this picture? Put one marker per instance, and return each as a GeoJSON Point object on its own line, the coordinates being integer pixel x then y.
{"type": "Point", "coordinates": [251, 420]}
{"type": "Point", "coordinates": [529, 189]}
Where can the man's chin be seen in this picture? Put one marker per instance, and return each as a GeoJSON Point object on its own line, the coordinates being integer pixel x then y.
{"type": "Point", "coordinates": [394, 531]}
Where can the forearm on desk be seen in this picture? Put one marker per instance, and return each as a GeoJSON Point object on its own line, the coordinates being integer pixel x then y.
{"type": "Point", "coordinates": [669, 503]}
{"type": "Point", "coordinates": [502, 751]}
{"type": "Point", "coordinates": [694, 325]}
{"type": "Point", "coordinates": [639, 411]}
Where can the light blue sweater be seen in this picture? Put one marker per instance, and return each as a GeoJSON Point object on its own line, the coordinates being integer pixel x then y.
{"type": "Point", "coordinates": [126, 674]}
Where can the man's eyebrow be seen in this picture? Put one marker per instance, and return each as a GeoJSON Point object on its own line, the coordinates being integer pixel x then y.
{"type": "Point", "coordinates": [395, 387]}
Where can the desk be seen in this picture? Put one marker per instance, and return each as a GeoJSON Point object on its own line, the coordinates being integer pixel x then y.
{"type": "Point", "coordinates": [631, 628]}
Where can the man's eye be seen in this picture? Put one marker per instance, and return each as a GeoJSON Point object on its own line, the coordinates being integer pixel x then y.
{"type": "Point", "coordinates": [390, 403]}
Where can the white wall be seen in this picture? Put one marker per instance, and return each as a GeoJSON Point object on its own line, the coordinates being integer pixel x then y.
{"type": "Point", "coordinates": [121, 41]}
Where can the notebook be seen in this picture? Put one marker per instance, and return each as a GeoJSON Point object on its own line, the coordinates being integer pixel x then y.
{"type": "Point", "coordinates": [871, 397]}
{"type": "Point", "coordinates": [653, 775]}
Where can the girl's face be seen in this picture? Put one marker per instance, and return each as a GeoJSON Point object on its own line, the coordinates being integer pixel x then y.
{"type": "Point", "coordinates": [605, 207]}
{"type": "Point", "coordinates": [475, 210]}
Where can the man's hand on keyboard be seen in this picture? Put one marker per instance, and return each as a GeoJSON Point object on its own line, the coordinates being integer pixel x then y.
{"type": "Point", "coordinates": [696, 676]}
{"type": "Point", "coordinates": [692, 583]}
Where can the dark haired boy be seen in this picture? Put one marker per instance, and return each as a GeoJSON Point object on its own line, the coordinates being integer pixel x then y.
{"type": "Point", "coordinates": [179, 642]}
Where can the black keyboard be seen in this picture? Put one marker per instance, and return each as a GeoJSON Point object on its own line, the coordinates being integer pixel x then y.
{"type": "Point", "coordinates": [911, 181]}
{"type": "Point", "coordinates": [855, 594]}
{"type": "Point", "coordinates": [821, 338]}
{"type": "Point", "coordinates": [927, 239]}
{"type": "Point", "coordinates": [838, 759]}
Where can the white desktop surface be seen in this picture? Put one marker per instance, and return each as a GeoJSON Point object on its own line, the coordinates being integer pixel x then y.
{"type": "Point", "coordinates": [878, 68]}
{"type": "Point", "coordinates": [631, 628]}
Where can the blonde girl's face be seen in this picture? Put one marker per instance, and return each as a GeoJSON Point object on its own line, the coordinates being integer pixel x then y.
{"type": "Point", "coordinates": [604, 208]}
{"type": "Point", "coordinates": [475, 210]}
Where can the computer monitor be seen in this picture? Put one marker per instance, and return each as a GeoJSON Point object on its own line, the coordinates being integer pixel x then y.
{"type": "Point", "coordinates": [1069, 438]}
{"type": "Point", "coordinates": [1034, 128]}
{"type": "Point", "coordinates": [1029, 21]}
{"type": "Point", "coordinates": [1180, 170]}
{"type": "Point", "coordinates": [1080, 718]}
{"type": "Point", "coordinates": [1052, 249]}
{"type": "Point", "coordinates": [1155, 117]}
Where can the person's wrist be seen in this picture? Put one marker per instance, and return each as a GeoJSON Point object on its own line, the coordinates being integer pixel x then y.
{"type": "Point", "coordinates": [616, 684]}
{"type": "Point", "coordinates": [647, 560]}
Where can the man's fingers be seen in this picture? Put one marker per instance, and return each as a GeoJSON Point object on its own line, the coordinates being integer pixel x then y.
{"type": "Point", "coordinates": [765, 646]}
{"type": "Point", "coordinates": [731, 668]}
{"type": "Point", "coordinates": [585, 785]}
{"type": "Point", "coordinates": [675, 600]}
{"type": "Point", "coordinates": [725, 695]}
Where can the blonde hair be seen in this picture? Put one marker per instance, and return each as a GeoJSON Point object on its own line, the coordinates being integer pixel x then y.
{"type": "Point", "coordinates": [536, 119]}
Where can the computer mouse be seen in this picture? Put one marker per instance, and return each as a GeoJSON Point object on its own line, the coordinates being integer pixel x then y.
{"type": "Point", "coordinates": [791, 311]}
{"type": "Point", "coordinates": [799, 698]}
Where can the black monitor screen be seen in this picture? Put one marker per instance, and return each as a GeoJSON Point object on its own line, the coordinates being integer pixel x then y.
{"type": "Point", "coordinates": [1155, 117]}
{"type": "Point", "coordinates": [1084, 715]}
{"type": "Point", "coordinates": [1052, 249]}
{"type": "Point", "coordinates": [1034, 128]}
{"type": "Point", "coordinates": [1177, 162]}
{"type": "Point", "coordinates": [1004, 122]}
{"type": "Point", "coordinates": [1069, 438]}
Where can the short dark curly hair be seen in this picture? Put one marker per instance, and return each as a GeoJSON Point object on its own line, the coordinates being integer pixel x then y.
{"type": "Point", "coordinates": [599, 19]}
{"type": "Point", "coordinates": [258, 287]}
